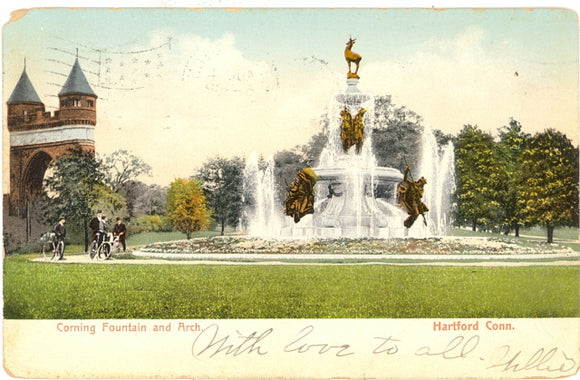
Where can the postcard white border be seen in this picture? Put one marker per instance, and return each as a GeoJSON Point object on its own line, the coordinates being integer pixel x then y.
{"type": "Point", "coordinates": [38, 349]}
{"type": "Point", "coordinates": [293, 348]}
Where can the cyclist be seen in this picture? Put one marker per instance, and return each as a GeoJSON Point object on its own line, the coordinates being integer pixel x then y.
{"type": "Point", "coordinates": [59, 233]}
{"type": "Point", "coordinates": [98, 226]}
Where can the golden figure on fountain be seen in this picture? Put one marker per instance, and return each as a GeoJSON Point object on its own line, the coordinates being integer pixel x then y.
{"type": "Point", "coordinates": [352, 131]}
{"type": "Point", "coordinates": [409, 194]}
{"type": "Point", "coordinates": [300, 198]}
{"type": "Point", "coordinates": [351, 57]}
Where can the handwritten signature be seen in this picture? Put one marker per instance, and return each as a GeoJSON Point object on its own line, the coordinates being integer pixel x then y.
{"type": "Point", "coordinates": [552, 360]}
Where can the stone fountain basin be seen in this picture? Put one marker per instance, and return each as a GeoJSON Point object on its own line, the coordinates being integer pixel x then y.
{"type": "Point", "coordinates": [378, 173]}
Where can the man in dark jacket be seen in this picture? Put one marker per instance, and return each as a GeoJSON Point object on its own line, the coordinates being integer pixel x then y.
{"type": "Point", "coordinates": [59, 229]}
{"type": "Point", "coordinates": [97, 226]}
{"type": "Point", "coordinates": [121, 231]}
{"type": "Point", "coordinates": [59, 234]}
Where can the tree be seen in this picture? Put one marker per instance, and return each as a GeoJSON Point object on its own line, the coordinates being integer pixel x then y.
{"type": "Point", "coordinates": [76, 188]}
{"type": "Point", "coordinates": [396, 143]}
{"type": "Point", "coordinates": [286, 164]}
{"type": "Point", "coordinates": [223, 181]}
{"type": "Point", "coordinates": [121, 167]}
{"type": "Point", "coordinates": [150, 200]}
{"type": "Point", "coordinates": [549, 178]}
{"type": "Point", "coordinates": [509, 150]}
{"type": "Point", "coordinates": [110, 202]}
{"type": "Point", "coordinates": [186, 206]}
{"type": "Point", "coordinates": [143, 198]}
{"type": "Point", "coordinates": [479, 178]}
{"type": "Point", "coordinates": [442, 138]}
{"type": "Point", "coordinates": [121, 170]}
{"type": "Point", "coordinates": [397, 134]}
{"type": "Point", "coordinates": [312, 150]}
{"type": "Point", "coordinates": [132, 190]}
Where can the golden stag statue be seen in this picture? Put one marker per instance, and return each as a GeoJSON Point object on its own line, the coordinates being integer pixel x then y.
{"type": "Point", "coordinates": [351, 56]}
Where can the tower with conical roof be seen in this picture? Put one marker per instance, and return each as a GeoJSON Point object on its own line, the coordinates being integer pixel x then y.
{"type": "Point", "coordinates": [77, 99]}
{"type": "Point", "coordinates": [23, 102]}
{"type": "Point", "coordinates": [37, 137]}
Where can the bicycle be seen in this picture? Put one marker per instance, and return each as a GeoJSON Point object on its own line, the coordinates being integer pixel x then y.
{"type": "Point", "coordinates": [52, 249]}
{"type": "Point", "coordinates": [107, 247]}
{"type": "Point", "coordinates": [116, 245]}
{"type": "Point", "coordinates": [95, 247]}
{"type": "Point", "coordinates": [105, 250]}
{"type": "Point", "coordinates": [92, 251]}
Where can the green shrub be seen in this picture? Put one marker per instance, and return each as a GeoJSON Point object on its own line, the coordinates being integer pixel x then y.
{"type": "Point", "coordinates": [148, 223]}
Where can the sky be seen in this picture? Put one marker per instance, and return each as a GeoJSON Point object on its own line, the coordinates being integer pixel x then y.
{"type": "Point", "coordinates": [178, 86]}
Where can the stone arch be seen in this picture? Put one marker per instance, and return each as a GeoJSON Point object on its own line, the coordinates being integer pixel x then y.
{"type": "Point", "coordinates": [32, 179]}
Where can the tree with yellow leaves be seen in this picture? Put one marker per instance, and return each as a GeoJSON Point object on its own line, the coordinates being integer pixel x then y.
{"type": "Point", "coordinates": [187, 207]}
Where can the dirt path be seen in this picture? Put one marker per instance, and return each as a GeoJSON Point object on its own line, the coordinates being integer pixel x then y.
{"type": "Point", "coordinates": [431, 260]}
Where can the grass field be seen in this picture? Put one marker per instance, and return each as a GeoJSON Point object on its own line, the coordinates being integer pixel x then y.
{"type": "Point", "coordinates": [564, 236]}
{"type": "Point", "coordinates": [35, 290]}
{"type": "Point", "coordinates": [560, 233]}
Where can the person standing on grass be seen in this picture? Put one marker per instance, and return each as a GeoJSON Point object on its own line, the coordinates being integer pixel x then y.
{"type": "Point", "coordinates": [120, 230]}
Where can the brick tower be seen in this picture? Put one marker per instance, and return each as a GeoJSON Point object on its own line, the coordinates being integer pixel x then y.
{"type": "Point", "coordinates": [38, 137]}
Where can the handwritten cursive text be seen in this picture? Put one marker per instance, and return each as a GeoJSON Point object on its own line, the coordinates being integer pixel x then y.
{"type": "Point", "coordinates": [458, 347]}
{"type": "Point", "coordinates": [208, 342]}
{"type": "Point", "coordinates": [298, 345]}
{"type": "Point", "coordinates": [552, 360]}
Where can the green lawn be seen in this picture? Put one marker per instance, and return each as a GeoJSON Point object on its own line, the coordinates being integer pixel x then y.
{"type": "Point", "coordinates": [51, 291]}
{"type": "Point", "coordinates": [568, 233]}
{"type": "Point", "coordinates": [560, 233]}
{"type": "Point", "coordinates": [564, 236]}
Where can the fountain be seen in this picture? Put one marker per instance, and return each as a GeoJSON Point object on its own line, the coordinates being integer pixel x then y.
{"type": "Point", "coordinates": [439, 166]}
{"type": "Point", "coordinates": [347, 175]}
{"type": "Point", "coordinates": [262, 215]}
{"type": "Point", "coordinates": [346, 206]}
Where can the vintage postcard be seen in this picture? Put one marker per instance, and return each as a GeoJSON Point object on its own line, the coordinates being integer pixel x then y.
{"type": "Point", "coordinates": [290, 193]}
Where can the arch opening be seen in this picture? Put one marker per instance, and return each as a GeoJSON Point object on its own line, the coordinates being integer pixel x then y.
{"type": "Point", "coordinates": [34, 175]}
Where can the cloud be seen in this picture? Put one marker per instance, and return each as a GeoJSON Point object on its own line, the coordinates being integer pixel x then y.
{"type": "Point", "coordinates": [470, 79]}
{"type": "Point", "coordinates": [198, 98]}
